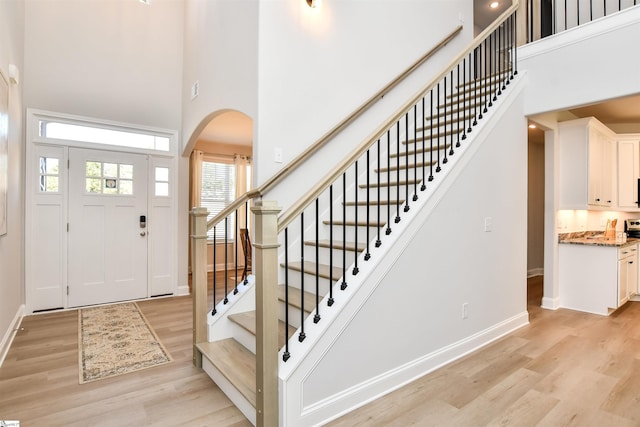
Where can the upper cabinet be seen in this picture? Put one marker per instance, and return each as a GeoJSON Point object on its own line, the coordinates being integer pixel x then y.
{"type": "Point", "coordinates": [628, 172]}
{"type": "Point", "coordinates": [588, 173]}
{"type": "Point", "coordinates": [598, 168]}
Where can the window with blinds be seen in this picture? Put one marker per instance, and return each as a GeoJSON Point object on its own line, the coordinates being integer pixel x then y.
{"type": "Point", "coordinates": [218, 189]}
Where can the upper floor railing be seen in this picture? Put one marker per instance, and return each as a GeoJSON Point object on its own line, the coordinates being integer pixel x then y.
{"type": "Point", "coordinates": [548, 17]}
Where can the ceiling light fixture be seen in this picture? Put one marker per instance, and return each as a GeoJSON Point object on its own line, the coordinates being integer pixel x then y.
{"type": "Point", "coordinates": [494, 4]}
{"type": "Point", "coordinates": [314, 3]}
{"type": "Point", "coordinates": [532, 126]}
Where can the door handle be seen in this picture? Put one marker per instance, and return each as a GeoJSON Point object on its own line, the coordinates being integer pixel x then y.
{"type": "Point", "coordinates": [143, 233]}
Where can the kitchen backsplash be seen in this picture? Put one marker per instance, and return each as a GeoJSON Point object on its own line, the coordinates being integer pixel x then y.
{"type": "Point", "coordinates": [571, 221]}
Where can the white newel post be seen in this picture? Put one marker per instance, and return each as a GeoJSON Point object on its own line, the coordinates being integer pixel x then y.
{"type": "Point", "coordinates": [266, 276]}
{"type": "Point", "coordinates": [199, 279]}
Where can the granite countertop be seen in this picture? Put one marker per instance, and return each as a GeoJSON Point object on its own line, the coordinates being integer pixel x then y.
{"type": "Point", "coordinates": [593, 238]}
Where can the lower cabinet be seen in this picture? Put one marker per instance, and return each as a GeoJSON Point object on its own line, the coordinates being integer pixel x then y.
{"type": "Point", "coordinates": [627, 273]}
{"type": "Point", "coordinates": [597, 279]}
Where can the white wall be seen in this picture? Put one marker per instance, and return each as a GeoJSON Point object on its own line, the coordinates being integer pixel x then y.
{"type": "Point", "coordinates": [584, 65]}
{"type": "Point", "coordinates": [318, 65]}
{"type": "Point", "coordinates": [220, 52]}
{"type": "Point", "coordinates": [408, 310]}
{"type": "Point", "coordinates": [11, 244]}
{"type": "Point", "coordinates": [111, 60]}
{"type": "Point", "coordinates": [115, 60]}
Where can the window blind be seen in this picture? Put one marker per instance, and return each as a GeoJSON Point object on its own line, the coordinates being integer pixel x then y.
{"type": "Point", "coordinates": [218, 190]}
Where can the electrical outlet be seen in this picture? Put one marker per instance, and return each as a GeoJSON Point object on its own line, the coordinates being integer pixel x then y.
{"type": "Point", "coordinates": [488, 224]}
{"type": "Point", "coordinates": [195, 89]}
{"type": "Point", "coordinates": [465, 310]}
{"type": "Point", "coordinates": [277, 155]}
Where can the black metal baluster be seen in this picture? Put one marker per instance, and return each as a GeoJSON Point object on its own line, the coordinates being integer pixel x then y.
{"type": "Point", "coordinates": [470, 90]}
{"type": "Point", "coordinates": [452, 119]}
{"type": "Point", "coordinates": [485, 85]}
{"type": "Point", "coordinates": [246, 242]}
{"type": "Point", "coordinates": [397, 220]}
{"type": "Point", "coordinates": [438, 131]}
{"type": "Point", "coordinates": [343, 286]}
{"type": "Point", "coordinates": [490, 72]}
{"type": "Point", "coordinates": [406, 161]}
{"type": "Point", "coordinates": [565, 14]}
{"type": "Point", "coordinates": [515, 44]}
{"type": "Point", "coordinates": [388, 230]}
{"type": "Point", "coordinates": [478, 79]}
{"type": "Point", "coordinates": [444, 148]}
{"type": "Point", "coordinates": [460, 107]}
{"type": "Point", "coordinates": [378, 241]}
{"type": "Point", "coordinates": [578, 11]}
{"type": "Point", "coordinates": [496, 79]}
{"type": "Point", "coordinates": [316, 318]}
{"type": "Point", "coordinates": [214, 279]}
{"type": "Point", "coordinates": [330, 300]}
{"type": "Point", "coordinates": [431, 140]}
{"type": "Point", "coordinates": [415, 152]}
{"type": "Point", "coordinates": [286, 355]}
{"type": "Point", "coordinates": [591, 10]}
{"type": "Point", "coordinates": [367, 254]}
{"type": "Point", "coordinates": [501, 64]}
{"type": "Point", "coordinates": [235, 222]}
{"type": "Point", "coordinates": [424, 130]}
{"type": "Point", "coordinates": [302, 335]}
{"type": "Point", "coordinates": [226, 272]}
{"type": "Point", "coordinates": [355, 266]}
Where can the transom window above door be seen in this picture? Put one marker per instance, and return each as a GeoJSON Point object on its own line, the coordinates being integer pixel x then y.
{"type": "Point", "coordinates": [108, 178]}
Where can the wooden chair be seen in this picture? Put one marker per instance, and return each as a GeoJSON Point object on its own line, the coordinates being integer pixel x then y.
{"type": "Point", "coordinates": [246, 250]}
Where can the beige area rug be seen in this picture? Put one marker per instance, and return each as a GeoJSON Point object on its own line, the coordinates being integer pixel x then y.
{"type": "Point", "coordinates": [115, 340]}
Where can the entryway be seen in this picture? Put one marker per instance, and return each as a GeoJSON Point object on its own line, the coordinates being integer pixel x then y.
{"type": "Point", "coordinates": [101, 212]}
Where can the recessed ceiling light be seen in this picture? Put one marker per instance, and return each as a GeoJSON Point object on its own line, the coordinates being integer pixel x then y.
{"type": "Point", "coordinates": [532, 126]}
{"type": "Point", "coordinates": [494, 4]}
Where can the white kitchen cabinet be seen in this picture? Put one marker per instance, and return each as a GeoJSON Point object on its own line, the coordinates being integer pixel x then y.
{"type": "Point", "coordinates": [587, 165]}
{"type": "Point", "coordinates": [597, 279]}
{"type": "Point", "coordinates": [628, 173]}
{"type": "Point", "coordinates": [627, 273]}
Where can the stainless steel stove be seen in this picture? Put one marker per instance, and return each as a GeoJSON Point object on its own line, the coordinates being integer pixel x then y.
{"type": "Point", "coordinates": [632, 228]}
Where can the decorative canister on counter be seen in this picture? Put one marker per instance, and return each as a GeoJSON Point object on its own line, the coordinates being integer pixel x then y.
{"type": "Point", "coordinates": [621, 237]}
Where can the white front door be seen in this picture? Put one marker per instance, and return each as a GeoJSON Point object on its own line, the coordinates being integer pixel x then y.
{"type": "Point", "coordinates": [107, 259]}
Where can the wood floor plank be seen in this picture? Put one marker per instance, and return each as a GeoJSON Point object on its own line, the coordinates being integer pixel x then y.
{"type": "Point", "coordinates": [41, 372]}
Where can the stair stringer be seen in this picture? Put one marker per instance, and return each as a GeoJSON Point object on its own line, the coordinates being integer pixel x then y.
{"type": "Point", "coordinates": [324, 378]}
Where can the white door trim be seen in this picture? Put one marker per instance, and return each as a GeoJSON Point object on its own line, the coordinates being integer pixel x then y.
{"type": "Point", "coordinates": [160, 282]}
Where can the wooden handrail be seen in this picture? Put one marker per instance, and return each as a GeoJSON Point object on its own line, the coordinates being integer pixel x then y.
{"type": "Point", "coordinates": [306, 154]}
{"type": "Point", "coordinates": [295, 210]}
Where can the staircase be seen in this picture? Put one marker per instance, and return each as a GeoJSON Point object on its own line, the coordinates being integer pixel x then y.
{"type": "Point", "coordinates": [342, 239]}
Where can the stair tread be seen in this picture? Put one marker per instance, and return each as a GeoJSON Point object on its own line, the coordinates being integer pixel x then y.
{"type": "Point", "coordinates": [294, 298]}
{"type": "Point", "coordinates": [427, 149]}
{"type": "Point", "coordinates": [235, 362]}
{"type": "Point", "coordinates": [337, 244]}
{"type": "Point", "coordinates": [310, 268]}
{"type": "Point", "coordinates": [353, 223]}
{"type": "Point", "coordinates": [402, 166]}
{"type": "Point", "coordinates": [374, 202]}
{"type": "Point", "coordinates": [392, 183]}
{"type": "Point", "coordinates": [247, 320]}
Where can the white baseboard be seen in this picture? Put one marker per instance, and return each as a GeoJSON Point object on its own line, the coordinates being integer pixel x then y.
{"type": "Point", "coordinates": [337, 405]}
{"type": "Point", "coordinates": [550, 303]}
{"type": "Point", "coordinates": [535, 272]}
{"type": "Point", "coordinates": [7, 339]}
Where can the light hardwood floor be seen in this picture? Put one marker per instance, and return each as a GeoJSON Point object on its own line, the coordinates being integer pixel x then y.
{"type": "Point", "coordinates": [565, 368]}
{"type": "Point", "coordinates": [39, 378]}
